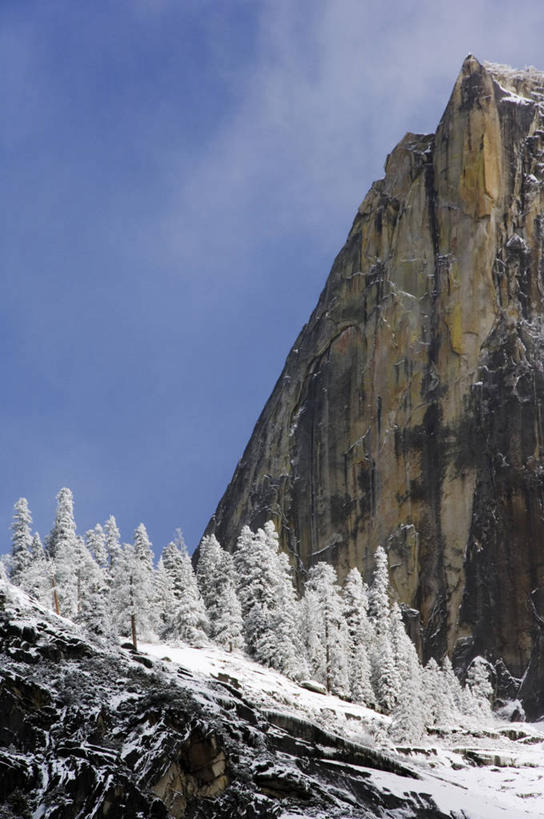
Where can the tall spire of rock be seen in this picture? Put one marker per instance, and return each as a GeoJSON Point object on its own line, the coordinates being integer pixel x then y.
{"type": "Point", "coordinates": [409, 411]}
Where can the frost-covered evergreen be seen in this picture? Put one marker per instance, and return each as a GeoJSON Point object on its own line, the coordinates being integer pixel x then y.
{"type": "Point", "coordinates": [63, 549]}
{"type": "Point", "coordinates": [112, 541]}
{"type": "Point", "coordinates": [188, 620]}
{"type": "Point", "coordinates": [94, 598]}
{"type": "Point", "coordinates": [330, 628]}
{"type": "Point", "coordinates": [355, 606]}
{"type": "Point", "coordinates": [216, 577]}
{"type": "Point", "coordinates": [37, 578]}
{"type": "Point", "coordinates": [385, 673]}
{"type": "Point", "coordinates": [163, 597]}
{"type": "Point", "coordinates": [267, 599]}
{"type": "Point", "coordinates": [479, 685]}
{"type": "Point", "coordinates": [21, 541]}
{"type": "Point", "coordinates": [96, 544]}
{"type": "Point", "coordinates": [409, 714]}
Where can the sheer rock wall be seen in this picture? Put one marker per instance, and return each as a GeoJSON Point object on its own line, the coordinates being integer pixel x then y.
{"type": "Point", "coordinates": [409, 410]}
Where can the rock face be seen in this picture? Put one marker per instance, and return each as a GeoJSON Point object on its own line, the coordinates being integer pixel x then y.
{"type": "Point", "coordinates": [409, 411]}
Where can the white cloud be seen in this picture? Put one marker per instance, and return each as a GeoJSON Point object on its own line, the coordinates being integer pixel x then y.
{"type": "Point", "coordinates": [335, 85]}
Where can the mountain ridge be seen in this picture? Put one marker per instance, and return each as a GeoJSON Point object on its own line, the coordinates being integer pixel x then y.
{"type": "Point", "coordinates": [408, 412]}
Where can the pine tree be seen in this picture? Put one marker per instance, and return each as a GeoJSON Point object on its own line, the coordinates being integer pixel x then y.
{"type": "Point", "coordinates": [140, 564]}
{"type": "Point", "coordinates": [453, 685]}
{"type": "Point", "coordinates": [408, 717]}
{"type": "Point", "coordinates": [21, 541]}
{"type": "Point", "coordinates": [188, 621]}
{"type": "Point", "coordinates": [228, 627]}
{"type": "Point", "coordinates": [112, 541]}
{"type": "Point", "coordinates": [266, 596]}
{"type": "Point", "coordinates": [385, 675]}
{"type": "Point", "coordinates": [479, 685]}
{"type": "Point", "coordinates": [379, 607]}
{"type": "Point", "coordinates": [63, 549]}
{"type": "Point", "coordinates": [132, 594]}
{"type": "Point", "coordinates": [94, 599]}
{"type": "Point", "coordinates": [355, 605]}
{"type": "Point", "coordinates": [96, 544]}
{"type": "Point", "coordinates": [37, 579]}
{"type": "Point", "coordinates": [331, 628]}
{"type": "Point", "coordinates": [216, 579]}
{"type": "Point", "coordinates": [163, 598]}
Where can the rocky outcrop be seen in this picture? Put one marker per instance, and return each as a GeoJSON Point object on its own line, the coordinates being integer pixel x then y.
{"type": "Point", "coordinates": [409, 411]}
{"type": "Point", "coordinates": [87, 730]}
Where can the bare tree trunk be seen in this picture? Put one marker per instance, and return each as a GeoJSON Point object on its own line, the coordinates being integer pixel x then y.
{"type": "Point", "coordinates": [55, 594]}
{"type": "Point", "coordinates": [133, 615]}
{"type": "Point", "coordinates": [328, 656]}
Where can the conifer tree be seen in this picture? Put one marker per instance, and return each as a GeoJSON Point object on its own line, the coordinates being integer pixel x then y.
{"type": "Point", "coordinates": [479, 685]}
{"type": "Point", "coordinates": [385, 675]}
{"type": "Point", "coordinates": [63, 549]}
{"type": "Point", "coordinates": [96, 544]}
{"type": "Point", "coordinates": [330, 627]}
{"type": "Point", "coordinates": [94, 599]}
{"type": "Point", "coordinates": [36, 580]}
{"type": "Point", "coordinates": [21, 541]}
{"type": "Point", "coordinates": [188, 621]}
{"type": "Point", "coordinates": [355, 605]}
{"type": "Point", "coordinates": [408, 717]}
{"type": "Point", "coordinates": [112, 541]}
{"type": "Point", "coordinates": [266, 597]}
{"type": "Point", "coordinates": [216, 579]}
{"type": "Point", "coordinates": [163, 598]}
{"type": "Point", "coordinates": [453, 685]}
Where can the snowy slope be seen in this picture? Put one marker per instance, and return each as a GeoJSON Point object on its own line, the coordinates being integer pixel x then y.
{"type": "Point", "coordinates": [480, 774]}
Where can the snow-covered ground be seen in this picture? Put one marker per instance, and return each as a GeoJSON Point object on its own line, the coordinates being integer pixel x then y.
{"type": "Point", "coordinates": [489, 773]}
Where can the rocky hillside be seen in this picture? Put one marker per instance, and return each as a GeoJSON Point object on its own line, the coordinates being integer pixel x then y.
{"type": "Point", "coordinates": [409, 411]}
{"type": "Point", "coordinates": [90, 730]}
{"type": "Point", "coordinates": [87, 730]}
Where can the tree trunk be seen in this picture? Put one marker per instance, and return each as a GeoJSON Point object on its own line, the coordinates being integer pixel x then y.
{"type": "Point", "coordinates": [55, 595]}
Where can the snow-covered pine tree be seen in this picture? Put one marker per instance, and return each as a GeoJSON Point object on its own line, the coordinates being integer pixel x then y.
{"type": "Point", "coordinates": [311, 629]}
{"type": "Point", "coordinates": [355, 605]}
{"type": "Point", "coordinates": [112, 541]}
{"type": "Point", "coordinates": [286, 649]}
{"type": "Point", "coordinates": [21, 541]}
{"type": "Point", "coordinates": [210, 573]}
{"type": "Point", "coordinates": [385, 676]}
{"type": "Point", "coordinates": [265, 598]}
{"type": "Point", "coordinates": [188, 620]}
{"type": "Point", "coordinates": [228, 627]}
{"type": "Point", "coordinates": [132, 595]}
{"type": "Point", "coordinates": [140, 565]}
{"type": "Point", "coordinates": [96, 544]}
{"type": "Point", "coordinates": [454, 686]}
{"type": "Point", "coordinates": [408, 717]}
{"type": "Point", "coordinates": [378, 599]}
{"type": "Point", "coordinates": [435, 695]}
{"type": "Point", "coordinates": [94, 598]}
{"type": "Point", "coordinates": [37, 580]}
{"type": "Point", "coordinates": [479, 685]}
{"type": "Point", "coordinates": [216, 579]}
{"type": "Point", "coordinates": [163, 597]}
{"type": "Point", "coordinates": [330, 627]}
{"type": "Point", "coordinates": [63, 550]}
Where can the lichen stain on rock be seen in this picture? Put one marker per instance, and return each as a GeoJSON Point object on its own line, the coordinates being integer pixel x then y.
{"type": "Point", "coordinates": [417, 385]}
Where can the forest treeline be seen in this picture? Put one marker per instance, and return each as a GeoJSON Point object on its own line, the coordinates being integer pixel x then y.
{"type": "Point", "coordinates": [349, 639]}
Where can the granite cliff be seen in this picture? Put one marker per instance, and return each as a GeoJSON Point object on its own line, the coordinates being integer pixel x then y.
{"type": "Point", "coordinates": [409, 410]}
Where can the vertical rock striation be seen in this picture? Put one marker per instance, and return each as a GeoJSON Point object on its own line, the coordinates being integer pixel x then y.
{"type": "Point", "coordinates": [409, 411]}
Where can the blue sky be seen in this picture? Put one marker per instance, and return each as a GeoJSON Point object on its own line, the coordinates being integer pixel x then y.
{"type": "Point", "coordinates": [177, 177]}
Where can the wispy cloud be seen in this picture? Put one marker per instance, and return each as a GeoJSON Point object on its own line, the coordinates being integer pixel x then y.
{"type": "Point", "coordinates": [334, 87]}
